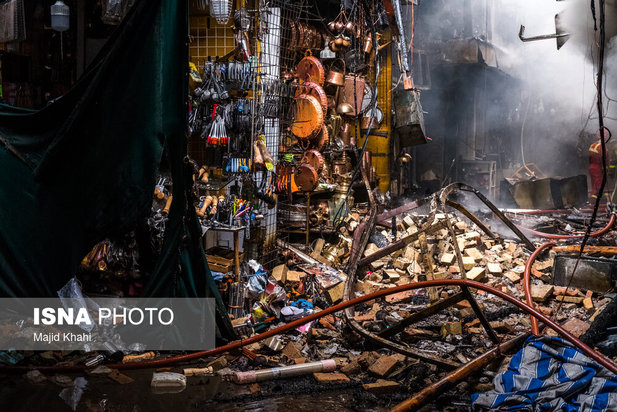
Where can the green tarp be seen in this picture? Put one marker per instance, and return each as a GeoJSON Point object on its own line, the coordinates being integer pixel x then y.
{"type": "Point", "coordinates": [84, 167]}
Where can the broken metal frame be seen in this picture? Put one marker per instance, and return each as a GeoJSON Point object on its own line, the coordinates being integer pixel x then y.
{"type": "Point", "coordinates": [466, 188]}
{"type": "Point", "coordinates": [423, 314]}
{"type": "Point", "coordinates": [451, 379]}
{"type": "Point", "coordinates": [438, 201]}
{"type": "Point", "coordinates": [540, 37]}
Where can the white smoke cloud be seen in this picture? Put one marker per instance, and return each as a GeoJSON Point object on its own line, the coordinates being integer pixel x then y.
{"type": "Point", "coordinates": [560, 84]}
{"type": "Point", "coordinates": [557, 91]}
{"type": "Point", "coordinates": [562, 79]}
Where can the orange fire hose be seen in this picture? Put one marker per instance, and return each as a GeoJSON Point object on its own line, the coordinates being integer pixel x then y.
{"type": "Point", "coordinates": [527, 286]}
{"type": "Point", "coordinates": [597, 233]}
{"type": "Point", "coordinates": [601, 359]}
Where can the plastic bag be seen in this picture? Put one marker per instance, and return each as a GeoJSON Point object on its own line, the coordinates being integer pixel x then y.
{"type": "Point", "coordinates": [71, 297]}
{"type": "Point", "coordinates": [257, 283]}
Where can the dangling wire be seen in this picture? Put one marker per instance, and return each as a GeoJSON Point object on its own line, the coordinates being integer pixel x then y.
{"type": "Point", "coordinates": [602, 129]}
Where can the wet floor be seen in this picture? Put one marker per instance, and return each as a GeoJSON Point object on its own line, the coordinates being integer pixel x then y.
{"type": "Point", "coordinates": [202, 393]}
{"type": "Point", "coordinates": [100, 393]}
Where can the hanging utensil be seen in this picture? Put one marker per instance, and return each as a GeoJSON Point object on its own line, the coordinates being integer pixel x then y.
{"type": "Point", "coordinates": [220, 10]}
{"type": "Point", "coordinates": [336, 77]}
{"type": "Point", "coordinates": [310, 69]}
{"type": "Point", "coordinates": [305, 178]}
{"type": "Point", "coordinates": [308, 117]}
{"type": "Point", "coordinates": [315, 90]}
{"type": "Point", "coordinates": [314, 158]}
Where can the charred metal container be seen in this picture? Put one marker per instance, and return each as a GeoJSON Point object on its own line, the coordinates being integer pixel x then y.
{"type": "Point", "coordinates": [409, 118]}
{"type": "Point", "coordinates": [550, 193]}
{"type": "Point", "coordinates": [596, 274]}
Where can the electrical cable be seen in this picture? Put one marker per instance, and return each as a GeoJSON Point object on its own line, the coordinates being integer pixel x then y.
{"type": "Point", "coordinates": [523, 135]}
{"type": "Point", "coordinates": [602, 45]}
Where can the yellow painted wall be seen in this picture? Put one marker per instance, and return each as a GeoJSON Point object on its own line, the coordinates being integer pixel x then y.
{"type": "Point", "coordinates": [377, 145]}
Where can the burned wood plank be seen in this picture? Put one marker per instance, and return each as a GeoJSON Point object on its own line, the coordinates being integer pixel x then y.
{"type": "Point", "coordinates": [423, 314]}
{"type": "Point", "coordinates": [399, 244]}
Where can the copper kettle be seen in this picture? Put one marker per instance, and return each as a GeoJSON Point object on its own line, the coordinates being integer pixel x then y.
{"type": "Point", "coordinates": [336, 77]}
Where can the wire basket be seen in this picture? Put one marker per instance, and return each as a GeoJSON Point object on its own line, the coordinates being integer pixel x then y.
{"type": "Point", "coordinates": [220, 10]}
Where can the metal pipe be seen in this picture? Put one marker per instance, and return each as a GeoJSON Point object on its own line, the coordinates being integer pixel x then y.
{"type": "Point", "coordinates": [385, 216]}
{"type": "Point", "coordinates": [423, 314]}
{"type": "Point", "coordinates": [481, 317]}
{"type": "Point", "coordinates": [521, 33]}
{"type": "Point", "coordinates": [471, 217]}
{"type": "Point", "coordinates": [452, 378]}
{"type": "Point", "coordinates": [495, 210]}
{"type": "Point", "coordinates": [328, 365]}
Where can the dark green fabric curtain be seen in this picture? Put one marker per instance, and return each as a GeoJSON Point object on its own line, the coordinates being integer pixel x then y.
{"type": "Point", "coordinates": [84, 167]}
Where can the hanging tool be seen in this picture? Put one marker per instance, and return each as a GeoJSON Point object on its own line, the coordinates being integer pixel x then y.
{"type": "Point", "coordinates": [159, 189]}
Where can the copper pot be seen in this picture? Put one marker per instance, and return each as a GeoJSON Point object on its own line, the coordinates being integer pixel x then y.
{"type": "Point", "coordinates": [310, 69]}
{"type": "Point", "coordinates": [306, 178]}
{"type": "Point", "coordinates": [353, 89]}
{"type": "Point", "coordinates": [341, 166]}
{"type": "Point", "coordinates": [316, 91]}
{"type": "Point", "coordinates": [336, 77]}
{"type": "Point", "coordinates": [308, 117]}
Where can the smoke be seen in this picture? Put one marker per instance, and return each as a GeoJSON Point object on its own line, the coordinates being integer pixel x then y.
{"type": "Point", "coordinates": [567, 76]}
{"type": "Point", "coordinates": [558, 88]}
{"type": "Point", "coordinates": [558, 102]}
{"type": "Point", "coordinates": [548, 118]}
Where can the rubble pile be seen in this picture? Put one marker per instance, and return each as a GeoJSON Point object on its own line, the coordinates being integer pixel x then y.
{"type": "Point", "coordinates": [327, 353]}
{"type": "Point", "coordinates": [454, 334]}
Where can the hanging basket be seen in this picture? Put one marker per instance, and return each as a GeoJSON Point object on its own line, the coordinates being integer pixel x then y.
{"type": "Point", "coordinates": [220, 10]}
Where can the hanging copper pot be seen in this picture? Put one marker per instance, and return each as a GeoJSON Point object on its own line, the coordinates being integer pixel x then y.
{"type": "Point", "coordinates": [336, 77]}
{"type": "Point", "coordinates": [308, 117]}
{"type": "Point", "coordinates": [322, 140]}
{"type": "Point", "coordinates": [305, 178]}
{"type": "Point", "coordinates": [315, 90]}
{"type": "Point", "coordinates": [341, 166]}
{"type": "Point", "coordinates": [314, 158]}
{"type": "Point", "coordinates": [354, 89]}
{"type": "Point", "coordinates": [310, 69]}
